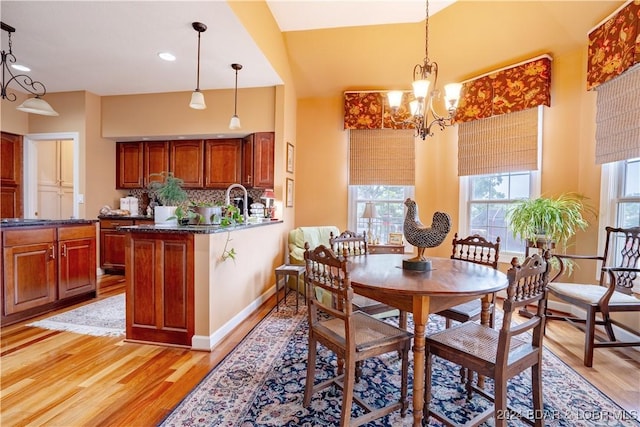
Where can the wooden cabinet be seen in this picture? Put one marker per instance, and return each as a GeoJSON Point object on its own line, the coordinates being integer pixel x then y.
{"type": "Point", "coordinates": [186, 161]}
{"type": "Point", "coordinates": [112, 242]}
{"type": "Point", "coordinates": [76, 260]}
{"type": "Point", "coordinates": [155, 159]}
{"type": "Point", "coordinates": [222, 162]}
{"type": "Point", "coordinates": [129, 165]}
{"type": "Point", "coordinates": [45, 268]}
{"type": "Point", "coordinates": [257, 160]}
{"type": "Point", "coordinates": [10, 176]}
{"type": "Point", "coordinates": [30, 268]}
{"type": "Point", "coordinates": [160, 287]}
{"type": "Point", "coordinates": [385, 249]}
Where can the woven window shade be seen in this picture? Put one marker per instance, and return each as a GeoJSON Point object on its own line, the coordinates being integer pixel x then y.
{"type": "Point", "coordinates": [382, 157]}
{"type": "Point", "coordinates": [505, 143]}
{"type": "Point", "coordinates": [618, 118]}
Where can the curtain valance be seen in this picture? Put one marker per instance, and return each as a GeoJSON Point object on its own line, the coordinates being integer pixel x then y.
{"type": "Point", "coordinates": [614, 46]}
{"type": "Point", "coordinates": [507, 90]}
{"type": "Point", "coordinates": [371, 110]}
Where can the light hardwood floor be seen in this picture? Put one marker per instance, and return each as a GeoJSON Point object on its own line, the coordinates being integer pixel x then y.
{"type": "Point", "coordinates": [64, 379]}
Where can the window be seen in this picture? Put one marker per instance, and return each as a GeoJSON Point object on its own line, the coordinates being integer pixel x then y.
{"type": "Point", "coordinates": [389, 202]}
{"type": "Point", "coordinates": [485, 200]}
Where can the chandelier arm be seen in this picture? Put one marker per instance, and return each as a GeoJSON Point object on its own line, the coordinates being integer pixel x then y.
{"type": "Point", "coordinates": [24, 81]}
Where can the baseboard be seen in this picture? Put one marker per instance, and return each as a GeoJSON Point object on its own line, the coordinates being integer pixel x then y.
{"type": "Point", "coordinates": [206, 343]}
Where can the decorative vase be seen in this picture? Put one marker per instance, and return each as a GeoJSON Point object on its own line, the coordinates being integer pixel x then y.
{"type": "Point", "coordinates": [206, 214]}
{"type": "Point", "coordinates": [161, 213]}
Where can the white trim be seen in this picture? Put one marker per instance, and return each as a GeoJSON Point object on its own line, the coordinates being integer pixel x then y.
{"type": "Point", "coordinates": [611, 15]}
{"type": "Point", "coordinates": [206, 343]}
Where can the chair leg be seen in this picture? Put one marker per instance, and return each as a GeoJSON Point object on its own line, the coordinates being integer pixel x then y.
{"type": "Point", "coordinates": [589, 336]}
{"type": "Point", "coordinates": [608, 327]}
{"type": "Point", "coordinates": [427, 388]}
{"type": "Point", "coordinates": [404, 383]}
{"type": "Point", "coordinates": [347, 392]}
{"type": "Point", "coordinates": [500, 401]}
{"type": "Point", "coordinates": [311, 372]}
{"type": "Point", "coordinates": [403, 320]}
{"type": "Point", "coordinates": [536, 391]}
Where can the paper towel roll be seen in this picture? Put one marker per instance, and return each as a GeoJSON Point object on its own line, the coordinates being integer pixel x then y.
{"type": "Point", "coordinates": [133, 205]}
{"type": "Point", "coordinates": [125, 204]}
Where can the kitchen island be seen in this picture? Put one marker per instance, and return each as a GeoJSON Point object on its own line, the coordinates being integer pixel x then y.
{"type": "Point", "coordinates": [181, 290]}
{"type": "Point", "coordinates": [45, 265]}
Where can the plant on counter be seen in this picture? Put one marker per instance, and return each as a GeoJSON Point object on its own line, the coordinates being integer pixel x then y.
{"type": "Point", "coordinates": [168, 189]}
{"type": "Point", "coordinates": [231, 217]}
{"type": "Point", "coordinates": [184, 215]}
{"type": "Point", "coordinates": [228, 253]}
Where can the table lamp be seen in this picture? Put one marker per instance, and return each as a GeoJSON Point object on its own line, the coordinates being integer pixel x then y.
{"type": "Point", "coordinates": [369, 214]}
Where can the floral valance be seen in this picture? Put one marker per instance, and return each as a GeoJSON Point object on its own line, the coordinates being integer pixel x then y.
{"type": "Point", "coordinates": [508, 90]}
{"type": "Point", "coordinates": [371, 110]}
{"type": "Point", "coordinates": [614, 46]}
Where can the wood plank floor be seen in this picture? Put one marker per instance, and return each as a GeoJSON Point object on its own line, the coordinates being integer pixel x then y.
{"type": "Point", "coordinates": [54, 378]}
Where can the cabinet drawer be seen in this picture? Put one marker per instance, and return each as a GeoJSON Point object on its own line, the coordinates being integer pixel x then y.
{"type": "Point", "coordinates": [114, 223]}
{"type": "Point", "coordinates": [79, 232]}
{"type": "Point", "coordinates": [29, 237]}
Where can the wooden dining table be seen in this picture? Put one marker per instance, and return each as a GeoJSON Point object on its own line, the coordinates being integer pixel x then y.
{"type": "Point", "coordinates": [449, 283]}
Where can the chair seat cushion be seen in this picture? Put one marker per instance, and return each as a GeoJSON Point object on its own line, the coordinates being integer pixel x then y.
{"type": "Point", "coordinates": [369, 331]}
{"type": "Point", "coordinates": [589, 294]}
{"type": "Point", "coordinates": [474, 339]}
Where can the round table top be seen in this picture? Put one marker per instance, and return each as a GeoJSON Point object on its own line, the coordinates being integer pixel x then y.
{"type": "Point", "coordinates": [447, 276]}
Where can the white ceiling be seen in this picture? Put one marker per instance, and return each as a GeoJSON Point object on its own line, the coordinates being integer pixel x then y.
{"type": "Point", "coordinates": [111, 47]}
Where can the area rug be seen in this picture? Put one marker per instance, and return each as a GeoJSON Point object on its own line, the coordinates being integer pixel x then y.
{"type": "Point", "coordinates": [105, 317]}
{"type": "Point", "coordinates": [261, 383]}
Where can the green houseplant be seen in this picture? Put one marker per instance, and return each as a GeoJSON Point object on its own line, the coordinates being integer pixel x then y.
{"type": "Point", "coordinates": [549, 219]}
{"type": "Point", "coordinates": [168, 189]}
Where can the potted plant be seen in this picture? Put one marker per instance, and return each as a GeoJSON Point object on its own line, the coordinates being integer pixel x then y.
{"type": "Point", "coordinates": [207, 213]}
{"type": "Point", "coordinates": [549, 220]}
{"type": "Point", "coordinates": [169, 192]}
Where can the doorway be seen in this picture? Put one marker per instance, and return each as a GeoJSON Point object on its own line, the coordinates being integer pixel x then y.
{"type": "Point", "coordinates": [51, 176]}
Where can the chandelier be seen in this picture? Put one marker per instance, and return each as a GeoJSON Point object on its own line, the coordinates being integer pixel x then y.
{"type": "Point", "coordinates": [35, 105]}
{"type": "Point", "coordinates": [423, 114]}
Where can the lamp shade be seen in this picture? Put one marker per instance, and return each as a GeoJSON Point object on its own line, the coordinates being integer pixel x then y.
{"type": "Point", "coordinates": [369, 210]}
{"type": "Point", "coordinates": [37, 106]}
{"type": "Point", "coordinates": [234, 124]}
{"type": "Point", "coordinates": [197, 100]}
{"type": "Point", "coordinates": [268, 194]}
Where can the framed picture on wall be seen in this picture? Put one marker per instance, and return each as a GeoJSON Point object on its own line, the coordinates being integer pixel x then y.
{"type": "Point", "coordinates": [289, 193]}
{"type": "Point", "coordinates": [289, 157]}
{"type": "Point", "coordinates": [395, 238]}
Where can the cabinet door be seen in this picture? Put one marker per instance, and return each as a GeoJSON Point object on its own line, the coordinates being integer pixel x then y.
{"type": "Point", "coordinates": [9, 202]}
{"type": "Point", "coordinates": [222, 162]}
{"type": "Point", "coordinates": [112, 250]}
{"type": "Point", "coordinates": [10, 159]}
{"type": "Point", "coordinates": [156, 159]}
{"type": "Point", "coordinates": [160, 287]}
{"type": "Point", "coordinates": [76, 267]}
{"type": "Point", "coordinates": [129, 165]}
{"type": "Point", "coordinates": [247, 161]}
{"type": "Point", "coordinates": [263, 157]}
{"type": "Point", "coordinates": [186, 162]}
{"type": "Point", "coordinates": [29, 276]}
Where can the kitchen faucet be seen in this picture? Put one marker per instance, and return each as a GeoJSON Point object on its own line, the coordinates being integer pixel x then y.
{"type": "Point", "coordinates": [245, 209]}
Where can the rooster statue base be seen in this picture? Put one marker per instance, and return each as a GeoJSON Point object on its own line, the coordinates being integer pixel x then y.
{"type": "Point", "coordinates": [423, 237]}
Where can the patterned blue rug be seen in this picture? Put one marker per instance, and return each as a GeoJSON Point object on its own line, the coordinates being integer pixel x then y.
{"type": "Point", "coordinates": [261, 383]}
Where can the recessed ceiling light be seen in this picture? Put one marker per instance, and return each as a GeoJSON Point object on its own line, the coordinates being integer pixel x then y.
{"type": "Point", "coordinates": [167, 56]}
{"type": "Point", "coordinates": [20, 67]}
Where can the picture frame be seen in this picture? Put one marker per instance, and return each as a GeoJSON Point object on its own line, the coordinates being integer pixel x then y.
{"type": "Point", "coordinates": [290, 153]}
{"type": "Point", "coordinates": [289, 199]}
{"type": "Point", "coordinates": [395, 239]}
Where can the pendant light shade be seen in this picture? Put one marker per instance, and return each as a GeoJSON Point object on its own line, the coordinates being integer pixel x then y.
{"type": "Point", "coordinates": [37, 106]}
{"type": "Point", "coordinates": [234, 124]}
{"type": "Point", "coordinates": [197, 98]}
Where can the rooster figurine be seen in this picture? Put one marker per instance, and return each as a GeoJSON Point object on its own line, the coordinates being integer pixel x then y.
{"type": "Point", "coordinates": [424, 237]}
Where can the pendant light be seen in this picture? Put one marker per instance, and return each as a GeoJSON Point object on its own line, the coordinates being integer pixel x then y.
{"type": "Point", "coordinates": [197, 98]}
{"type": "Point", "coordinates": [234, 124]}
{"type": "Point", "coordinates": [35, 105]}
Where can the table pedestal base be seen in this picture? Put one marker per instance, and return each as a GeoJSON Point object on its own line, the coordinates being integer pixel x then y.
{"type": "Point", "coordinates": [416, 265]}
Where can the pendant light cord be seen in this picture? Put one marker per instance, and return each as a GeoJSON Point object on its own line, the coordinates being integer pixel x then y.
{"type": "Point", "coordinates": [198, 72]}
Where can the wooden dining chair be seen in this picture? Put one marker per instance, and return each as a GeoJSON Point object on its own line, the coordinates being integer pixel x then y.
{"type": "Point", "coordinates": [478, 250]}
{"type": "Point", "coordinates": [613, 293]}
{"type": "Point", "coordinates": [352, 335]}
{"type": "Point", "coordinates": [350, 243]}
{"type": "Point", "coordinates": [499, 354]}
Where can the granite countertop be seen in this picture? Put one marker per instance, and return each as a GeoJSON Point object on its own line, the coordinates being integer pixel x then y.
{"type": "Point", "coordinates": [134, 217]}
{"type": "Point", "coordinates": [33, 222]}
{"type": "Point", "coordinates": [196, 229]}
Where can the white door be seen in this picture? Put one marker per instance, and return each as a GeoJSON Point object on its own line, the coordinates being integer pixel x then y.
{"type": "Point", "coordinates": [55, 179]}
